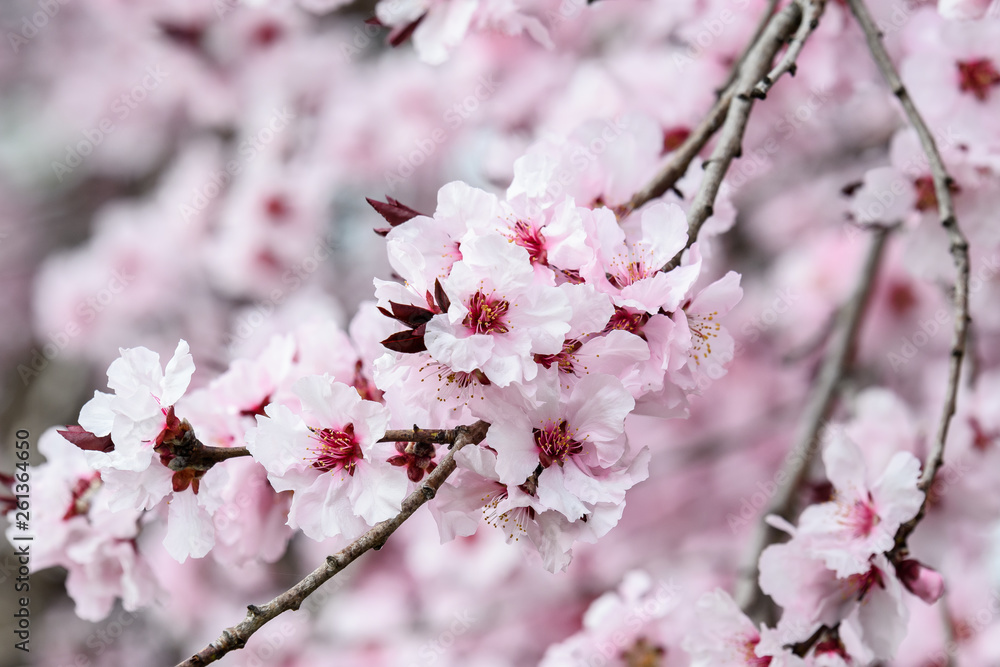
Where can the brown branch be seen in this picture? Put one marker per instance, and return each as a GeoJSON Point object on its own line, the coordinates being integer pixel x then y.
{"type": "Point", "coordinates": [179, 448]}
{"type": "Point", "coordinates": [416, 434]}
{"type": "Point", "coordinates": [817, 413]}
{"type": "Point", "coordinates": [765, 18]}
{"type": "Point", "coordinates": [236, 637]}
{"type": "Point", "coordinates": [958, 246]}
{"type": "Point", "coordinates": [779, 30]}
{"type": "Point", "coordinates": [681, 157]}
{"type": "Point", "coordinates": [811, 14]}
{"type": "Point", "coordinates": [205, 457]}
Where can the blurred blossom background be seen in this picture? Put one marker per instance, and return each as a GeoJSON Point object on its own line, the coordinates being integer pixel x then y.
{"type": "Point", "coordinates": [198, 169]}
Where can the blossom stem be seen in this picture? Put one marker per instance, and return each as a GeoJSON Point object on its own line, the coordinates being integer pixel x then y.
{"type": "Point", "coordinates": [416, 434]}
{"type": "Point", "coordinates": [958, 246]}
{"type": "Point", "coordinates": [236, 637]}
{"type": "Point", "coordinates": [200, 457]}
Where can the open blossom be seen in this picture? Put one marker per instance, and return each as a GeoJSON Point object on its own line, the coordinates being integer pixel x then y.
{"type": "Point", "coordinates": [723, 636]}
{"type": "Point", "coordinates": [699, 322]}
{"type": "Point", "coordinates": [567, 439]}
{"type": "Point", "coordinates": [621, 623]}
{"type": "Point", "coordinates": [811, 595]}
{"type": "Point", "coordinates": [143, 428]}
{"type": "Point", "coordinates": [326, 452]}
{"type": "Point", "coordinates": [963, 9]}
{"type": "Point", "coordinates": [477, 490]}
{"type": "Point", "coordinates": [425, 248]}
{"type": "Point", "coordinates": [631, 256]}
{"type": "Point", "coordinates": [499, 317]}
{"type": "Point", "coordinates": [136, 413]}
{"type": "Point", "coordinates": [862, 519]}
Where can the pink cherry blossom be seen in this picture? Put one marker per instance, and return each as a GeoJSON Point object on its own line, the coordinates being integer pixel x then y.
{"type": "Point", "coordinates": [863, 518]}
{"type": "Point", "coordinates": [136, 413]}
{"type": "Point", "coordinates": [324, 450]}
{"type": "Point", "coordinates": [499, 318]}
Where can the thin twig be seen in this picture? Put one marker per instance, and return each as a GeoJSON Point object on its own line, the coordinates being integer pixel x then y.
{"type": "Point", "coordinates": [779, 30]}
{"type": "Point", "coordinates": [765, 18]}
{"type": "Point", "coordinates": [811, 14]}
{"type": "Point", "coordinates": [958, 245]}
{"type": "Point", "coordinates": [206, 457]}
{"type": "Point", "coordinates": [817, 413]}
{"type": "Point", "coordinates": [236, 637]}
{"type": "Point", "coordinates": [681, 157]}
{"type": "Point", "coordinates": [416, 434]}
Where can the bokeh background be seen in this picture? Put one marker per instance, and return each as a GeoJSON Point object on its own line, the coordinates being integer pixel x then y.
{"type": "Point", "coordinates": [198, 169]}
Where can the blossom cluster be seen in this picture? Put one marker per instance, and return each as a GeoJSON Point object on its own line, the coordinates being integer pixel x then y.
{"type": "Point", "coordinates": [198, 174]}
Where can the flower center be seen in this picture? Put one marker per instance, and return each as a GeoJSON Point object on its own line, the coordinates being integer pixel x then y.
{"type": "Point", "coordinates": [977, 77]}
{"type": "Point", "coordinates": [627, 320]}
{"type": "Point", "coordinates": [486, 314]}
{"type": "Point", "coordinates": [564, 360]}
{"type": "Point", "coordinates": [83, 493]}
{"type": "Point", "coordinates": [628, 273]}
{"type": "Point", "coordinates": [703, 329]}
{"type": "Point", "coordinates": [511, 521]}
{"type": "Point", "coordinates": [555, 444]}
{"type": "Point", "coordinates": [860, 518]}
{"type": "Point", "coordinates": [860, 584]}
{"type": "Point", "coordinates": [750, 655]}
{"type": "Point", "coordinates": [337, 449]}
{"type": "Point", "coordinates": [531, 239]}
{"type": "Point", "coordinates": [927, 194]}
{"type": "Point", "coordinates": [674, 137]}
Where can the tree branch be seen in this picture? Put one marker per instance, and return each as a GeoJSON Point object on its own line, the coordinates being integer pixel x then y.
{"type": "Point", "coordinates": [682, 156]}
{"type": "Point", "coordinates": [758, 65]}
{"type": "Point", "coordinates": [432, 436]}
{"type": "Point", "coordinates": [811, 13]}
{"type": "Point", "coordinates": [958, 246]}
{"type": "Point", "coordinates": [817, 413]}
{"type": "Point", "coordinates": [765, 18]}
{"type": "Point", "coordinates": [202, 457]}
{"type": "Point", "coordinates": [236, 637]}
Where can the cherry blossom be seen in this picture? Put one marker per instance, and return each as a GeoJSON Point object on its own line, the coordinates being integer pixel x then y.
{"type": "Point", "coordinates": [325, 451]}
{"type": "Point", "coordinates": [862, 520]}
